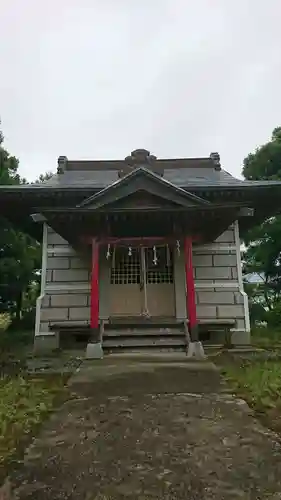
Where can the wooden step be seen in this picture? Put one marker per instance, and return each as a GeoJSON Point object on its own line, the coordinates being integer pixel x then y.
{"type": "Point", "coordinates": [143, 321]}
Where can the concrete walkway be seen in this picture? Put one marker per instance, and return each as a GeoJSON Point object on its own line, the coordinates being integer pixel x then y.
{"type": "Point", "coordinates": [145, 429]}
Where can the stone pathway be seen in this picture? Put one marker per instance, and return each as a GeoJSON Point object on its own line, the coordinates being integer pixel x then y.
{"type": "Point", "coordinates": [143, 430]}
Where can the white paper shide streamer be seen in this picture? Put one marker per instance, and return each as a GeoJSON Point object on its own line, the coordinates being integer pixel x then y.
{"type": "Point", "coordinates": [108, 251]}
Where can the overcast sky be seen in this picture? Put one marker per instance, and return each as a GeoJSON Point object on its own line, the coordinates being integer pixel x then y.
{"type": "Point", "coordinates": [96, 79]}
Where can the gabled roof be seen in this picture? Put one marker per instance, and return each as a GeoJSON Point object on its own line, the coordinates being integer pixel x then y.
{"type": "Point", "coordinates": [185, 178]}
{"type": "Point", "coordinates": [182, 172]}
{"type": "Point", "coordinates": [181, 177]}
{"type": "Point", "coordinates": [142, 179]}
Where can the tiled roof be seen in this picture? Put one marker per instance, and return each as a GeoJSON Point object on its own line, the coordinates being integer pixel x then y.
{"type": "Point", "coordinates": [181, 177]}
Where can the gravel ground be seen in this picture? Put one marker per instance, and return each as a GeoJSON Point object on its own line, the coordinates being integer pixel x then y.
{"type": "Point", "coordinates": [151, 431]}
{"type": "Point", "coordinates": [53, 365]}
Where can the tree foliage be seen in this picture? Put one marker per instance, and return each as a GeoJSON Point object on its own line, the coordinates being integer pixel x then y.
{"type": "Point", "coordinates": [44, 177]}
{"type": "Point", "coordinates": [265, 162]}
{"type": "Point", "coordinates": [257, 307]}
{"type": "Point", "coordinates": [19, 253]}
{"type": "Point", "coordinates": [8, 166]}
{"type": "Point", "coordinates": [263, 255]}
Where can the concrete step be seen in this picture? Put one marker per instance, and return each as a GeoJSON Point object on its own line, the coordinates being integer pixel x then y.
{"type": "Point", "coordinates": [139, 338]}
{"type": "Point", "coordinates": [143, 333]}
{"type": "Point", "coordinates": [164, 342]}
{"type": "Point", "coordinates": [172, 357]}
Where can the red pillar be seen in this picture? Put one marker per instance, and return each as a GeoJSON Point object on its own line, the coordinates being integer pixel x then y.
{"type": "Point", "coordinates": [190, 291]}
{"type": "Point", "coordinates": [95, 285]}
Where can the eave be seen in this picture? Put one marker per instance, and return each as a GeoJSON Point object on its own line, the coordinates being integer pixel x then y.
{"type": "Point", "coordinates": [17, 203]}
{"type": "Point", "coordinates": [108, 210]}
{"type": "Point", "coordinates": [27, 191]}
{"type": "Point", "coordinates": [75, 225]}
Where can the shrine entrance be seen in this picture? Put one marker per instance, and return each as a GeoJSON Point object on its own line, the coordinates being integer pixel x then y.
{"type": "Point", "coordinates": [142, 282]}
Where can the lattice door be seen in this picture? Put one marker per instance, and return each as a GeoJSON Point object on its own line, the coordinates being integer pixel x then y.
{"type": "Point", "coordinates": [125, 283]}
{"type": "Point", "coordinates": [126, 267]}
{"type": "Point", "coordinates": [160, 282]}
{"type": "Point", "coordinates": [162, 270]}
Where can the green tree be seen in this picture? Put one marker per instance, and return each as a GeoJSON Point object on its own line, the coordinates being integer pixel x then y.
{"type": "Point", "coordinates": [44, 177]}
{"type": "Point", "coordinates": [8, 166]}
{"type": "Point", "coordinates": [263, 255]}
{"type": "Point", "coordinates": [19, 253]}
{"type": "Point", "coordinates": [257, 305]}
{"type": "Point", "coordinates": [265, 162]}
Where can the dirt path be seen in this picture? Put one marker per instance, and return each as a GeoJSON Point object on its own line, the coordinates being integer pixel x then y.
{"type": "Point", "coordinates": [151, 431]}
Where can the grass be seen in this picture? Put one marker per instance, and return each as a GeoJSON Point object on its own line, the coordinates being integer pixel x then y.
{"type": "Point", "coordinates": [266, 337]}
{"type": "Point", "coordinates": [25, 400]}
{"type": "Point", "coordinates": [24, 404]}
{"type": "Point", "coordinates": [258, 383]}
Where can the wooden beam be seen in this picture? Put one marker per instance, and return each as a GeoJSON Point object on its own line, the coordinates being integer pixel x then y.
{"type": "Point", "coordinates": [190, 291]}
{"type": "Point", "coordinates": [95, 286]}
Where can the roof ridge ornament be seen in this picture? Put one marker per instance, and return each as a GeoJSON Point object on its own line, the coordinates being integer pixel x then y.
{"type": "Point", "coordinates": [215, 157]}
{"type": "Point", "coordinates": [140, 158]}
{"type": "Point", "coordinates": [62, 163]}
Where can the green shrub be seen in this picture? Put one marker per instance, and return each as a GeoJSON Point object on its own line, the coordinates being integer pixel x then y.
{"type": "Point", "coordinates": [265, 336]}
{"type": "Point", "coordinates": [5, 321]}
{"type": "Point", "coordinates": [26, 322]}
{"type": "Point", "coordinates": [273, 317]}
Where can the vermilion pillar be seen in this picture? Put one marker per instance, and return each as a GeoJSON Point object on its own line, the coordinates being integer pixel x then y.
{"type": "Point", "coordinates": [95, 285]}
{"type": "Point", "coordinates": [190, 291]}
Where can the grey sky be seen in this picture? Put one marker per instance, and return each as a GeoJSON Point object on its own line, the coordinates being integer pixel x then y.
{"type": "Point", "coordinates": [97, 79]}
